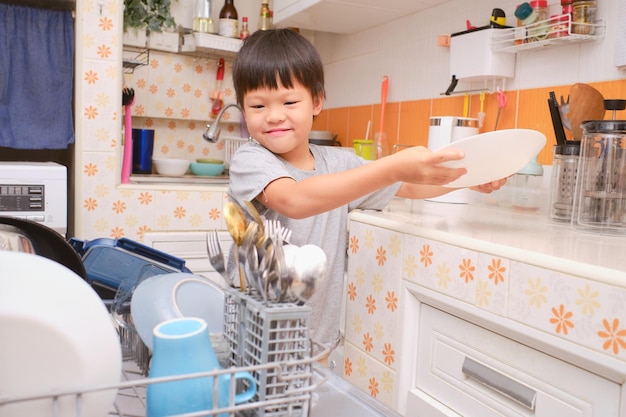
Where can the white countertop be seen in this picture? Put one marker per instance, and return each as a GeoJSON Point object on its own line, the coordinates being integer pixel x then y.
{"type": "Point", "coordinates": [527, 237]}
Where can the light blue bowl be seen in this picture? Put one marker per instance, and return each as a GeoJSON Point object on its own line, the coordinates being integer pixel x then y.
{"type": "Point", "coordinates": [207, 170]}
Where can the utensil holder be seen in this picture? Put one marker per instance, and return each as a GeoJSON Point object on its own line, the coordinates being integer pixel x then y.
{"type": "Point", "coordinates": [271, 333]}
{"type": "Point", "coordinates": [563, 181]}
{"type": "Point", "coordinates": [600, 199]}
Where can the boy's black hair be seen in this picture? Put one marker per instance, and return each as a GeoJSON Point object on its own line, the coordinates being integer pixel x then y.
{"type": "Point", "coordinates": [267, 56]}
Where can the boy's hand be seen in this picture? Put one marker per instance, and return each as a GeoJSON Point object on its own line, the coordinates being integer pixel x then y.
{"type": "Point", "coordinates": [490, 186]}
{"type": "Point", "coordinates": [419, 165]}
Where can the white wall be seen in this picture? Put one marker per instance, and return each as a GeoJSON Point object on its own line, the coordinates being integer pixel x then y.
{"type": "Point", "coordinates": [406, 50]}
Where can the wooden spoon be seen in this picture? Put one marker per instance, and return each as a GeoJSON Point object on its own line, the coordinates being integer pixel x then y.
{"type": "Point", "coordinates": [585, 103]}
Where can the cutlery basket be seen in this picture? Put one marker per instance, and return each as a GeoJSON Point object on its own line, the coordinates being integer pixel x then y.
{"type": "Point", "coordinates": [264, 333]}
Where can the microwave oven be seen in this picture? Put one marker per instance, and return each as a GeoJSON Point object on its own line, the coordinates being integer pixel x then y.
{"type": "Point", "coordinates": [35, 191]}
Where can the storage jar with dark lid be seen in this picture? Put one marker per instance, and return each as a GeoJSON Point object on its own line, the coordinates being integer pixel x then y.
{"type": "Point", "coordinates": [600, 195]}
{"type": "Point", "coordinates": [563, 181]}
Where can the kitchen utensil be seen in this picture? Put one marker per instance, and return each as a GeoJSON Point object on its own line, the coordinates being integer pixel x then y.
{"type": "Point", "coordinates": [614, 105]}
{"type": "Point", "coordinates": [481, 113]}
{"type": "Point", "coordinates": [585, 103]}
{"type": "Point", "coordinates": [494, 155]}
{"type": "Point", "coordinates": [323, 137]}
{"type": "Point", "coordinates": [380, 152]}
{"type": "Point", "coordinates": [169, 296]}
{"type": "Point", "coordinates": [48, 243]}
{"type": "Point", "coordinates": [128, 98]}
{"type": "Point", "coordinates": [247, 245]}
{"type": "Point", "coordinates": [171, 166]}
{"type": "Point", "coordinates": [57, 335]}
{"type": "Point", "coordinates": [557, 124]}
{"type": "Point", "coordinates": [563, 112]}
{"type": "Point", "coordinates": [237, 224]}
{"type": "Point", "coordinates": [309, 270]}
{"type": "Point", "coordinates": [216, 95]}
{"type": "Point", "coordinates": [258, 219]}
{"type": "Point", "coordinates": [502, 102]}
{"type": "Point", "coordinates": [273, 228]}
{"type": "Point", "coordinates": [563, 181]}
{"type": "Point", "coordinates": [182, 346]}
{"type": "Point", "coordinates": [216, 255]}
{"type": "Point", "coordinates": [14, 239]}
{"type": "Point", "coordinates": [600, 195]}
{"type": "Point", "coordinates": [442, 131]}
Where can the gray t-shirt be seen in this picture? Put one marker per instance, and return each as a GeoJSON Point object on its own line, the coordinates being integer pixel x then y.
{"type": "Point", "coordinates": [253, 167]}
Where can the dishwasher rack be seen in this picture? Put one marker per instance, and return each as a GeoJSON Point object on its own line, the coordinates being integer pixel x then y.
{"type": "Point", "coordinates": [130, 400]}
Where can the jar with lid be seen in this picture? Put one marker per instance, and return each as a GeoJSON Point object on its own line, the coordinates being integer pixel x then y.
{"type": "Point", "coordinates": [583, 17]}
{"type": "Point", "coordinates": [229, 20]}
{"type": "Point", "coordinates": [563, 180]}
{"type": "Point", "coordinates": [559, 26]}
{"type": "Point", "coordinates": [525, 16]}
{"type": "Point", "coordinates": [540, 29]}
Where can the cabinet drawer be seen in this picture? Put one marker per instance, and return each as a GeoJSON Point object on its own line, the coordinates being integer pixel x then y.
{"type": "Point", "coordinates": [476, 372]}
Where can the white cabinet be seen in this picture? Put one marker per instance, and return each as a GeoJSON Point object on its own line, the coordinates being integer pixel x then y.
{"type": "Point", "coordinates": [344, 16]}
{"type": "Point", "coordinates": [476, 372]}
{"type": "Point", "coordinates": [190, 246]}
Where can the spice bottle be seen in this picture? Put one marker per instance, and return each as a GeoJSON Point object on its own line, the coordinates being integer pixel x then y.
{"type": "Point", "coordinates": [541, 28]}
{"type": "Point", "coordinates": [265, 21]}
{"type": "Point", "coordinates": [244, 33]}
{"type": "Point", "coordinates": [229, 20]}
{"type": "Point", "coordinates": [583, 17]}
{"type": "Point", "coordinates": [526, 16]}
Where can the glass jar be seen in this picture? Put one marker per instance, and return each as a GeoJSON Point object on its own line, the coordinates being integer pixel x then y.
{"type": "Point", "coordinates": [563, 181]}
{"type": "Point", "coordinates": [540, 30]}
{"type": "Point", "coordinates": [559, 26]}
{"type": "Point", "coordinates": [525, 16]}
{"type": "Point", "coordinates": [583, 17]}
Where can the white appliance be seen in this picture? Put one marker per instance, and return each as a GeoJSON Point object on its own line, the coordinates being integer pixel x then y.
{"type": "Point", "coordinates": [442, 131]}
{"type": "Point", "coordinates": [35, 191]}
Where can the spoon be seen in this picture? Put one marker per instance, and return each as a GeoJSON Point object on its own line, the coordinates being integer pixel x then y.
{"type": "Point", "coordinates": [237, 225]}
{"type": "Point", "coordinates": [257, 218]}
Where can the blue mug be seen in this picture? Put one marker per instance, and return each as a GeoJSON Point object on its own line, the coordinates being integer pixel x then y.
{"type": "Point", "coordinates": [183, 346]}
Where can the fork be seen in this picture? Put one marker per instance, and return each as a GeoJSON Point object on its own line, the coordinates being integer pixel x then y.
{"type": "Point", "coordinates": [216, 256]}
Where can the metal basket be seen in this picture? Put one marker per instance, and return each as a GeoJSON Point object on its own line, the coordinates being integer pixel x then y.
{"type": "Point", "coordinates": [266, 333]}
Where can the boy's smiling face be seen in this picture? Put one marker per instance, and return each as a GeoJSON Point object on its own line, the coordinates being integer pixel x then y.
{"type": "Point", "coordinates": [281, 119]}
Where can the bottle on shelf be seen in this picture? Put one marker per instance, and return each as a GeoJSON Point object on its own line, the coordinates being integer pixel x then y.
{"type": "Point", "coordinates": [525, 16]}
{"type": "Point", "coordinates": [583, 16]}
{"type": "Point", "coordinates": [202, 21]}
{"type": "Point", "coordinates": [244, 32]}
{"type": "Point", "coordinates": [229, 20]}
{"type": "Point", "coordinates": [265, 19]}
{"type": "Point", "coordinates": [541, 29]}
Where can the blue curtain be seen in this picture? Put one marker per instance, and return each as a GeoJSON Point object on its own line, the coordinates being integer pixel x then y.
{"type": "Point", "coordinates": [36, 77]}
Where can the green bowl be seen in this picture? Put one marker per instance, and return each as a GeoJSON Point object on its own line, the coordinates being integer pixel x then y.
{"type": "Point", "coordinates": [206, 170]}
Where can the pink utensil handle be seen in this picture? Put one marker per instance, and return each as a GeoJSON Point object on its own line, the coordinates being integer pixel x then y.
{"type": "Point", "coordinates": [127, 159]}
{"type": "Point", "coordinates": [383, 102]}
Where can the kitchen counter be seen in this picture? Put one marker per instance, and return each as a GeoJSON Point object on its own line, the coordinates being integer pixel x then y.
{"type": "Point", "coordinates": [526, 237]}
{"type": "Point", "coordinates": [430, 284]}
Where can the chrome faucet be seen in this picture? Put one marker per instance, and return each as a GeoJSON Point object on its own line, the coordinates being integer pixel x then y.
{"type": "Point", "coordinates": [212, 133]}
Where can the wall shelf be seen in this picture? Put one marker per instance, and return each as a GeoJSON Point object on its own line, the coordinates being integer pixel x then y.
{"type": "Point", "coordinates": [524, 38]}
{"type": "Point", "coordinates": [134, 57]}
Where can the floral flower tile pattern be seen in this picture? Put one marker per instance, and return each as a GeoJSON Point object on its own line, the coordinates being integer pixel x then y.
{"type": "Point", "coordinates": [373, 308]}
{"type": "Point", "coordinates": [584, 312]}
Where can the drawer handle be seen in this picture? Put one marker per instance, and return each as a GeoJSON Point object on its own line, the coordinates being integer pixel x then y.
{"type": "Point", "coordinates": [500, 383]}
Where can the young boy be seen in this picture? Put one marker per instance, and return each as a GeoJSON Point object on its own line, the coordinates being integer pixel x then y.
{"type": "Point", "coordinates": [279, 83]}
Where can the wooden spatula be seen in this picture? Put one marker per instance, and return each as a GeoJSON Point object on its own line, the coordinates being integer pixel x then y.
{"type": "Point", "coordinates": [585, 103]}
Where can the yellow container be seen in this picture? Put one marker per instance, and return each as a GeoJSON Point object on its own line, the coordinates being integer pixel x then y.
{"type": "Point", "coordinates": [366, 149]}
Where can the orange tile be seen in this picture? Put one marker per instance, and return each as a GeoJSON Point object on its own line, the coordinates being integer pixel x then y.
{"type": "Point", "coordinates": [338, 123]}
{"type": "Point", "coordinates": [357, 123]}
{"type": "Point", "coordinates": [413, 123]}
{"type": "Point", "coordinates": [321, 121]}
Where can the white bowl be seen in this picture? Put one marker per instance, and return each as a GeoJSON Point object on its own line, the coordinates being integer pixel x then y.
{"type": "Point", "coordinates": [169, 296]}
{"type": "Point", "coordinates": [57, 335]}
{"type": "Point", "coordinates": [171, 167]}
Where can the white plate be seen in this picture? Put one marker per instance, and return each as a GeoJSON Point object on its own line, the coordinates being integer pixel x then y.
{"type": "Point", "coordinates": [494, 155]}
{"type": "Point", "coordinates": [56, 335]}
{"type": "Point", "coordinates": [169, 296]}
